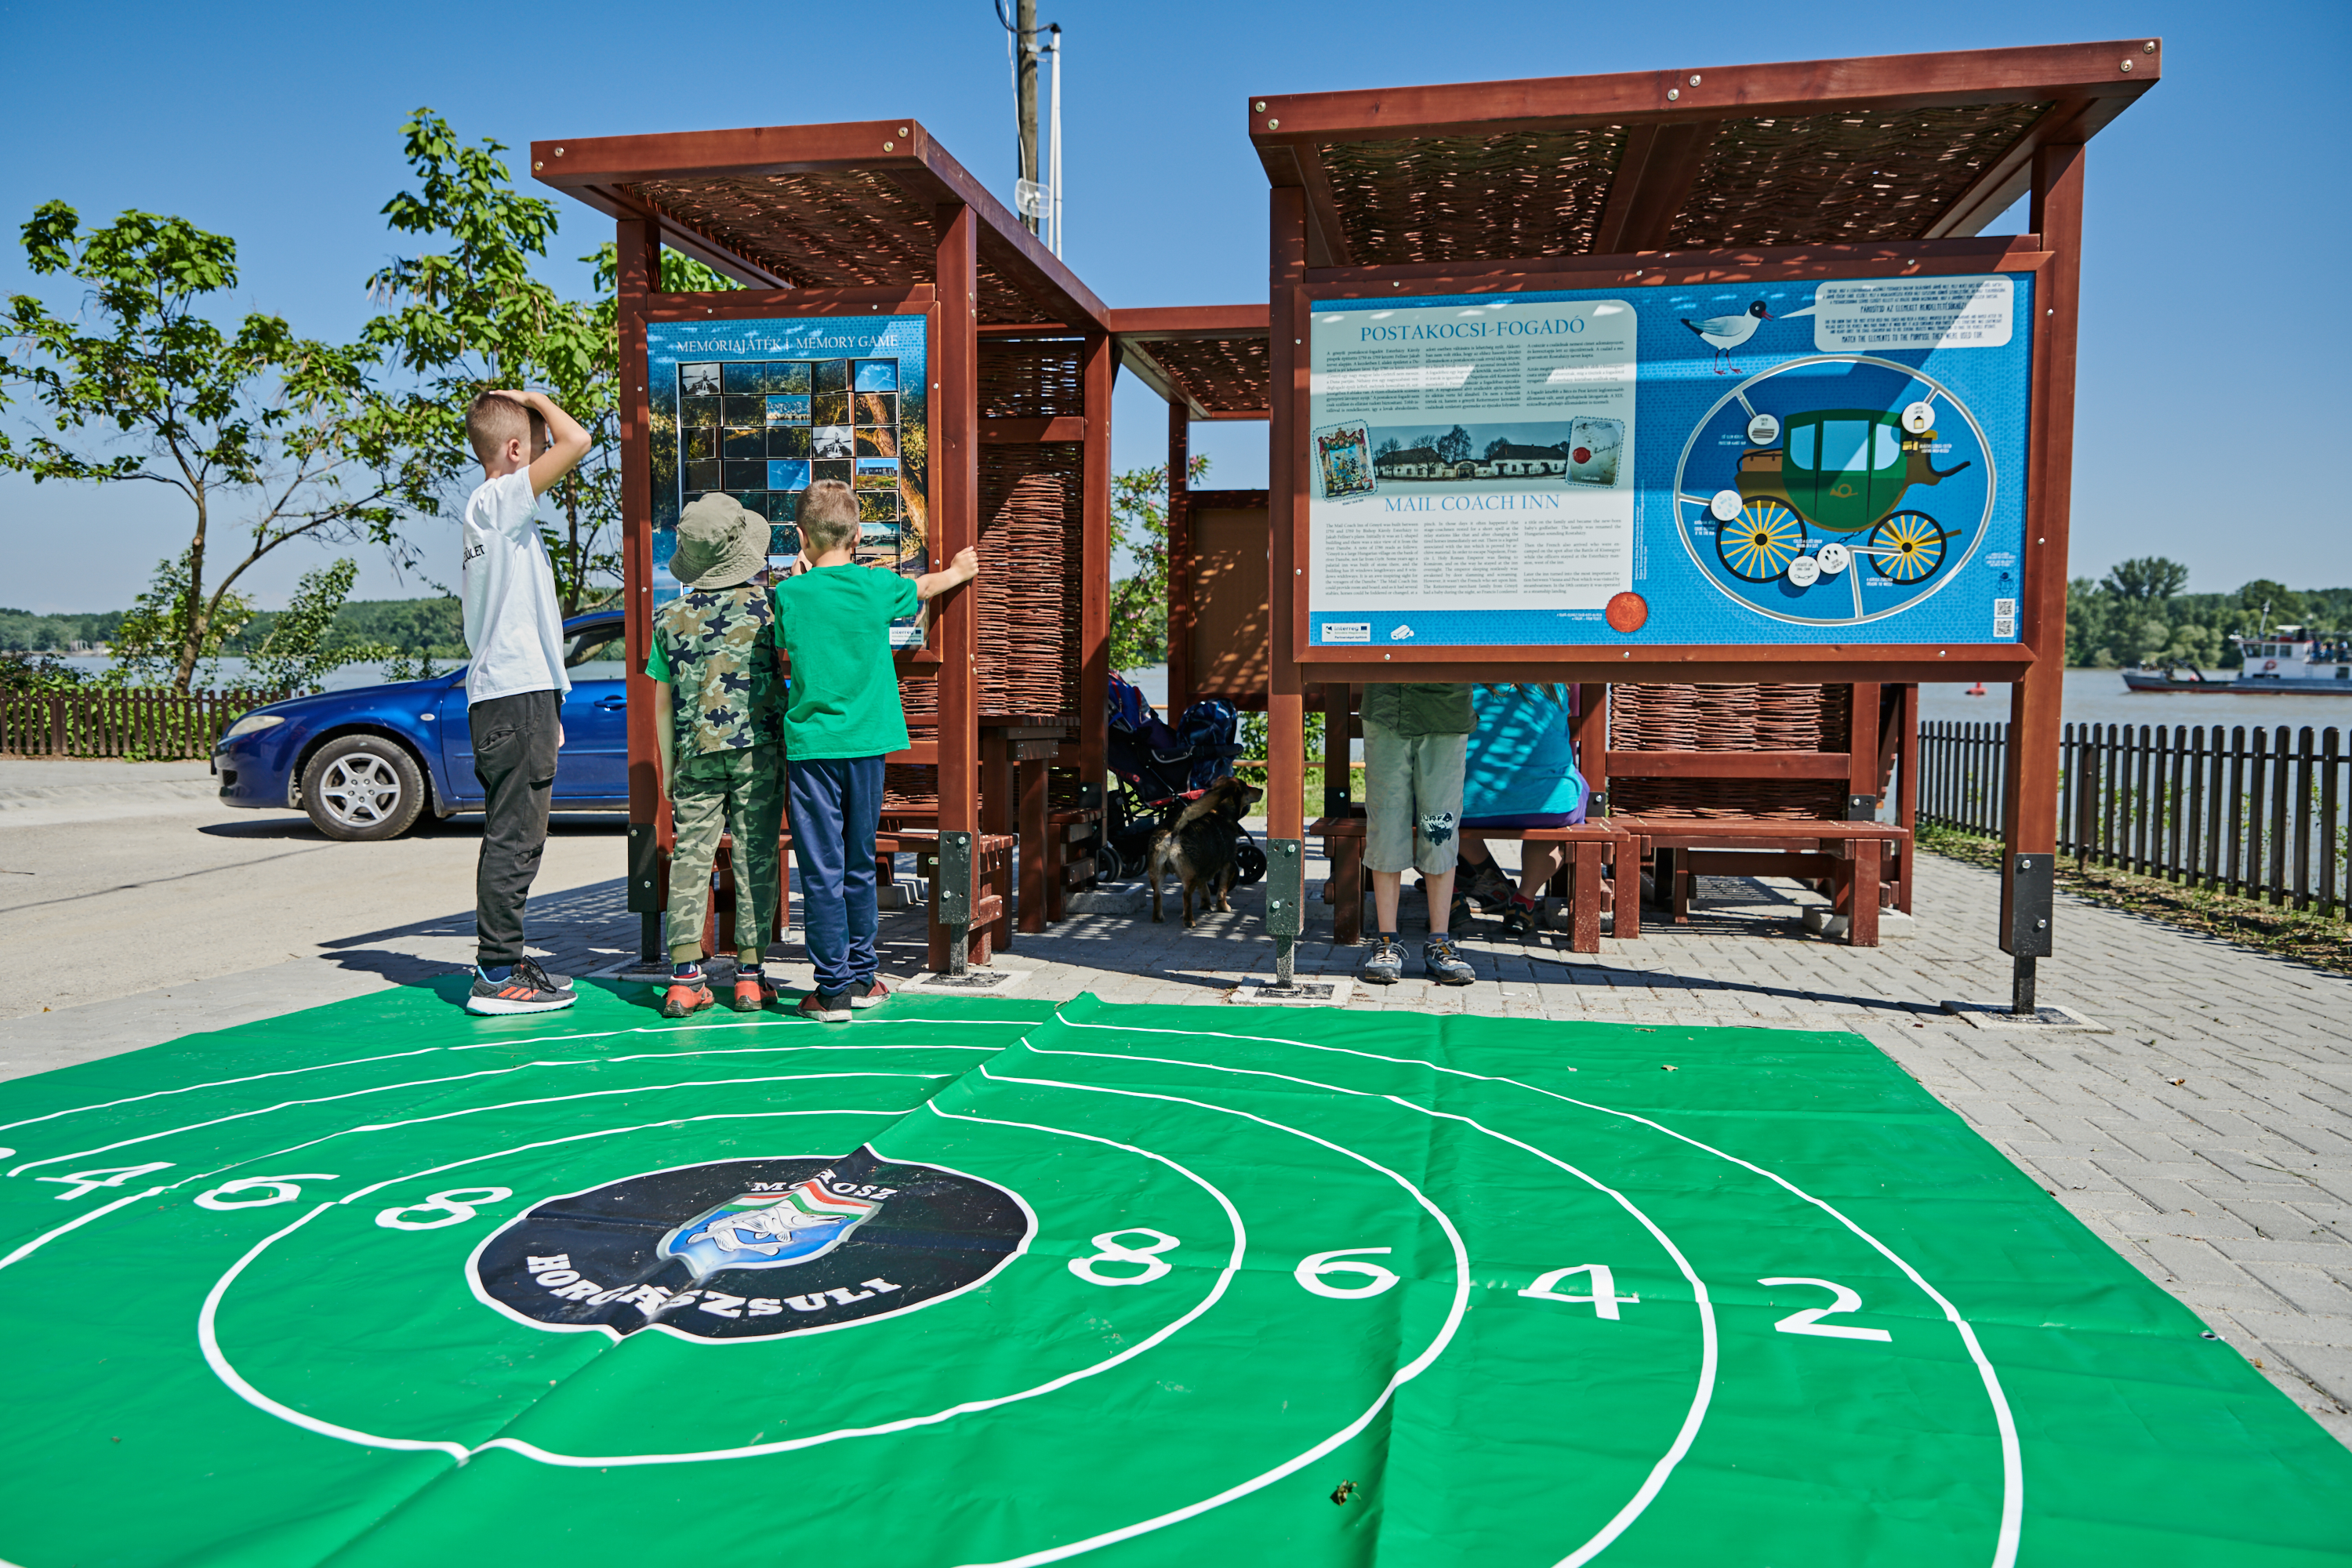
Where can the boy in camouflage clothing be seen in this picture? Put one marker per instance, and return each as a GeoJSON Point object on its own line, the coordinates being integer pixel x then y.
{"type": "Point", "coordinates": [719, 731]}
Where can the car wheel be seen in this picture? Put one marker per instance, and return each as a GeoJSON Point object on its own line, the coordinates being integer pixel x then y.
{"type": "Point", "coordinates": [363, 788]}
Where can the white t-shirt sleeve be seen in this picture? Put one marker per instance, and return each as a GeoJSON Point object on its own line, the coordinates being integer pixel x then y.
{"type": "Point", "coordinates": [510, 505]}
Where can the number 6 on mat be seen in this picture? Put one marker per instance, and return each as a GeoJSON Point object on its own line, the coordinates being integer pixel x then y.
{"type": "Point", "coordinates": [1809, 1321]}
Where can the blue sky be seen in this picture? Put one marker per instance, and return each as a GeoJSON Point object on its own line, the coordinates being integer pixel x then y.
{"type": "Point", "coordinates": [2213, 396]}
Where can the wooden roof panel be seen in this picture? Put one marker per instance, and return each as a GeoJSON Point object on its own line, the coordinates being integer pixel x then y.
{"type": "Point", "coordinates": [1900, 147]}
{"type": "Point", "coordinates": [842, 205]}
{"type": "Point", "coordinates": [1214, 359]}
{"type": "Point", "coordinates": [1842, 179]}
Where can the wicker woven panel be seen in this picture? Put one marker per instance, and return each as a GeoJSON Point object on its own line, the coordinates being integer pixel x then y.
{"type": "Point", "coordinates": [909, 786]}
{"type": "Point", "coordinates": [1777, 800]}
{"type": "Point", "coordinates": [852, 229]}
{"type": "Point", "coordinates": [1032, 380]}
{"type": "Point", "coordinates": [1842, 179]}
{"type": "Point", "coordinates": [918, 694]}
{"type": "Point", "coordinates": [1030, 584]}
{"type": "Point", "coordinates": [1445, 198]}
{"type": "Point", "coordinates": [1730, 717]}
{"type": "Point", "coordinates": [1224, 375]}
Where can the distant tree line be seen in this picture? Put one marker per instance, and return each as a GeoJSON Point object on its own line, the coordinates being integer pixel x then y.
{"type": "Point", "coordinates": [2137, 614]}
{"type": "Point", "coordinates": [21, 631]}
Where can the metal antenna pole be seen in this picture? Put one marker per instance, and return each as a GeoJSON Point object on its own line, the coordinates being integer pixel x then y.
{"type": "Point", "coordinates": [1053, 176]}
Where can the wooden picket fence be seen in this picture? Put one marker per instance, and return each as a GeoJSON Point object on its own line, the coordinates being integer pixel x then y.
{"type": "Point", "coordinates": [119, 722]}
{"type": "Point", "coordinates": [2251, 811]}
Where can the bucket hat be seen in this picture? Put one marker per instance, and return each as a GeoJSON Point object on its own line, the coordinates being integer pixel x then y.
{"type": "Point", "coordinates": [720, 543]}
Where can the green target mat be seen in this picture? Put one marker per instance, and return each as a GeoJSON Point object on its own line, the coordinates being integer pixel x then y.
{"type": "Point", "coordinates": [968, 1282]}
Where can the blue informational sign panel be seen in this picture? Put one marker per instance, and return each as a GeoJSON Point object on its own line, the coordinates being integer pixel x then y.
{"type": "Point", "coordinates": [762, 408]}
{"type": "Point", "coordinates": [1821, 461]}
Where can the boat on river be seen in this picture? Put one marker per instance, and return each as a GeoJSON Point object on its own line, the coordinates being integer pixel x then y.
{"type": "Point", "coordinates": [2283, 661]}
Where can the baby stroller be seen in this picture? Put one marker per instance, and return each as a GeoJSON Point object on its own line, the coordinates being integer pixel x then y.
{"type": "Point", "coordinates": [1160, 771]}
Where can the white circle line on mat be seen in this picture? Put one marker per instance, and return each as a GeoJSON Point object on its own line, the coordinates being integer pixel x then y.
{"type": "Point", "coordinates": [459, 1078]}
{"type": "Point", "coordinates": [1397, 1380]}
{"type": "Point", "coordinates": [1709, 1346]}
{"type": "Point", "coordinates": [543, 1100]}
{"type": "Point", "coordinates": [2013, 1467]}
{"type": "Point", "coordinates": [207, 1335]}
{"type": "Point", "coordinates": [542, 1039]}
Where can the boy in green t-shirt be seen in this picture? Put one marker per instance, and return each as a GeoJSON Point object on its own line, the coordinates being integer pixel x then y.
{"type": "Point", "coordinates": [833, 620]}
{"type": "Point", "coordinates": [718, 741]}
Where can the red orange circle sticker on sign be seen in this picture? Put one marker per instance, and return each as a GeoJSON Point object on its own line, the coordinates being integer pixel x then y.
{"type": "Point", "coordinates": [1628, 612]}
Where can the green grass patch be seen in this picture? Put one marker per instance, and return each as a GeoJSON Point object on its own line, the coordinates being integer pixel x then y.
{"type": "Point", "coordinates": [2323, 940]}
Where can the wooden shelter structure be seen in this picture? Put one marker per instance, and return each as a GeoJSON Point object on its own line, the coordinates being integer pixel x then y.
{"type": "Point", "coordinates": [1210, 362]}
{"type": "Point", "coordinates": [1004, 691]}
{"type": "Point", "coordinates": [1876, 168]}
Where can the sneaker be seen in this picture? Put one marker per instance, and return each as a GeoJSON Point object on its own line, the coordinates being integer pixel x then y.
{"type": "Point", "coordinates": [752, 991]}
{"type": "Point", "coordinates": [823, 1007]}
{"type": "Point", "coordinates": [530, 989]}
{"type": "Point", "coordinates": [1485, 883]}
{"type": "Point", "coordinates": [1518, 918]}
{"type": "Point", "coordinates": [870, 992]}
{"type": "Point", "coordinates": [1444, 963]}
{"type": "Point", "coordinates": [1386, 965]}
{"type": "Point", "coordinates": [687, 994]}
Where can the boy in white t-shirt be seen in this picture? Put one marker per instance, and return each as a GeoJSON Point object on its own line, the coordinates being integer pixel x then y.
{"type": "Point", "coordinates": [514, 686]}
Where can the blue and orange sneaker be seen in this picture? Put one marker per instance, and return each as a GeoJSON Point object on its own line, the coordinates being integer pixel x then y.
{"type": "Point", "coordinates": [525, 988]}
{"type": "Point", "coordinates": [688, 993]}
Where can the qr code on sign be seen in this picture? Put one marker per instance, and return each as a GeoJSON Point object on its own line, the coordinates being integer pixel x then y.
{"type": "Point", "coordinates": [2004, 617]}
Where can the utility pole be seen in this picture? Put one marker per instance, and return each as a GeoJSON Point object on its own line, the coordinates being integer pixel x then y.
{"type": "Point", "coordinates": [1026, 95]}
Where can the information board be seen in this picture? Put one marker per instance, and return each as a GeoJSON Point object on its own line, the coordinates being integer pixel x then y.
{"type": "Point", "coordinates": [761, 408]}
{"type": "Point", "coordinates": [1728, 464]}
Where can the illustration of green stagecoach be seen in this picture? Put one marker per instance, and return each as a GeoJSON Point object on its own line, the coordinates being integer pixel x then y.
{"type": "Point", "coordinates": [1843, 471]}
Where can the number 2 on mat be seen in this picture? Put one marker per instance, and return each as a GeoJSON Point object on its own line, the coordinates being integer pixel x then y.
{"type": "Point", "coordinates": [1809, 1321]}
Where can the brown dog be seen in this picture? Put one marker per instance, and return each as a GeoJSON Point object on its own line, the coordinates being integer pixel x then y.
{"type": "Point", "coordinates": [1198, 846]}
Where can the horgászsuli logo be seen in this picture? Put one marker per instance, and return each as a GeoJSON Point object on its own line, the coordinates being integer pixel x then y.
{"type": "Point", "coordinates": [746, 1249]}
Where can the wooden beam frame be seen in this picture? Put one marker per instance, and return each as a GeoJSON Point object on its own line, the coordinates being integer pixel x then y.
{"type": "Point", "coordinates": [598, 170]}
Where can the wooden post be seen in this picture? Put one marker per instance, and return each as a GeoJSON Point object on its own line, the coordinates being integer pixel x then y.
{"type": "Point", "coordinates": [637, 249]}
{"type": "Point", "coordinates": [2029, 788]}
{"type": "Point", "coordinates": [1180, 558]}
{"type": "Point", "coordinates": [1101, 364]}
{"type": "Point", "coordinates": [955, 521]}
{"type": "Point", "coordinates": [1286, 716]}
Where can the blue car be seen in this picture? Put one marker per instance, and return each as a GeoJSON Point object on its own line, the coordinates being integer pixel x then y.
{"type": "Point", "coordinates": [367, 762]}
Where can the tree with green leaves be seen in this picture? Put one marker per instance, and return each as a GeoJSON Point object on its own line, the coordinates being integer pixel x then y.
{"type": "Point", "coordinates": [2147, 579]}
{"type": "Point", "coordinates": [1138, 602]}
{"type": "Point", "coordinates": [470, 317]}
{"type": "Point", "coordinates": [268, 437]}
{"type": "Point", "coordinates": [305, 642]}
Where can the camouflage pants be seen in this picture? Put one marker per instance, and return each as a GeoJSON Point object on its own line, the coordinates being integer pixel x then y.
{"type": "Point", "coordinates": [739, 794]}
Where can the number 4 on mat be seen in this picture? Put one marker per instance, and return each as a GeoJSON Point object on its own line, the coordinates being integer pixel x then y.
{"type": "Point", "coordinates": [1809, 1321]}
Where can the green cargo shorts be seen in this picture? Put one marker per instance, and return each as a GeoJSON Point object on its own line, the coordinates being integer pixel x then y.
{"type": "Point", "coordinates": [1412, 800]}
{"type": "Point", "coordinates": [739, 792]}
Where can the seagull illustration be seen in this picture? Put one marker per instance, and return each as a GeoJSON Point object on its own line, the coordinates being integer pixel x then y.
{"type": "Point", "coordinates": [1725, 333]}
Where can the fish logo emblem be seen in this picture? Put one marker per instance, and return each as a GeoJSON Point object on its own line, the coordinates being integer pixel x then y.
{"type": "Point", "coordinates": [774, 1230]}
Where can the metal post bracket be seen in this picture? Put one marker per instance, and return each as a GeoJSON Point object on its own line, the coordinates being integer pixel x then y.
{"type": "Point", "coordinates": [1285, 886]}
{"type": "Point", "coordinates": [955, 880]}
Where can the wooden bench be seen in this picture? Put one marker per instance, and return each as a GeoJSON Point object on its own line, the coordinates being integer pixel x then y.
{"type": "Point", "coordinates": [1852, 854]}
{"type": "Point", "coordinates": [1589, 845]}
{"type": "Point", "coordinates": [992, 915]}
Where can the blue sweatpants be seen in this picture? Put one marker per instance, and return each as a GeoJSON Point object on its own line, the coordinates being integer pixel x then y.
{"type": "Point", "coordinates": [837, 807]}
